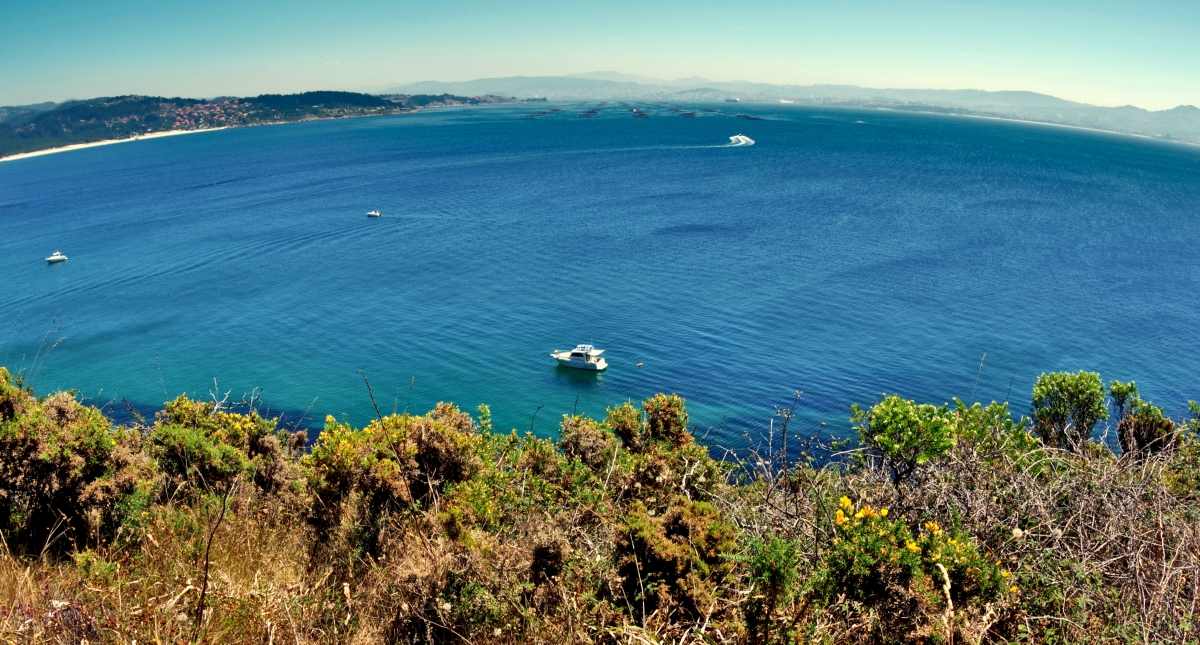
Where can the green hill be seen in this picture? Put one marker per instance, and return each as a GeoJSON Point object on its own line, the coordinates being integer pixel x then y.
{"type": "Point", "coordinates": [41, 127]}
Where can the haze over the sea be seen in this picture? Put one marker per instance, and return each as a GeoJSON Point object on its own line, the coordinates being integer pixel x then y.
{"type": "Point", "coordinates": [1110, 54]}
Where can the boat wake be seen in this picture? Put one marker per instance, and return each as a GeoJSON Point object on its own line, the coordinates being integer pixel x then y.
{"type": "Point", "coordinates": [739, 141]}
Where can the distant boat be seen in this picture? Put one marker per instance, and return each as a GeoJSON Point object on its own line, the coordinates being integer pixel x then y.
{"type": "Point", "coordinates": [732, 101]}
{"type": "Point", "coordinates": [56, 257]}
{"type": "Point", "coordinates": [374, 214]}
{"type": "Point", "coordinates": [583, 357]}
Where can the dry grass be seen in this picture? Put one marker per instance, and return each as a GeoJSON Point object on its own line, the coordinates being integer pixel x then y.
{"type": "Point", "coordinates": [1102, 548]}
{"type": "Point", "coordinates": [433, 529]}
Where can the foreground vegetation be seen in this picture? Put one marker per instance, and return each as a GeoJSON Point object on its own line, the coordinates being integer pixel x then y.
{"type": "Point", "coordinates": [947, 524]}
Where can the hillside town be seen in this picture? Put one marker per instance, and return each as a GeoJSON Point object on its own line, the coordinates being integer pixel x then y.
{"type": "Point", "coordinates": [207, 114]}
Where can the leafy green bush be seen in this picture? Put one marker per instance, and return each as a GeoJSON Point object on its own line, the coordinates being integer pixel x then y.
{"type": "Point", "coordinates": [1192, 423]}
{"type": "Point", "coordinates": [1123, 394]}
{"type": "Point", "coordinates": [991, 429]}
{"type": "Point", "coordinates": [905, 434]}
{"type": "Point", "coordinates": [1066, 407]}
{"type": "Point", "coordinates": [627, 423]}
{"type": "Point", "coordinates": [667, 420]}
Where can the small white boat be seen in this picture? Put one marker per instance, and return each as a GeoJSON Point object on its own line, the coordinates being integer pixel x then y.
{"type": "Point", "coordinates": [56, 257]}
{"type": "Point", "coordinates": [583, 357]}
{"type": "Point", "coordinates": [374, 214]}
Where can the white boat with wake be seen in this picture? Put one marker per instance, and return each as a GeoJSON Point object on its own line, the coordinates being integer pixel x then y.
{"type": "Point", "coordinates": [583, 357]}
{"type": "Point", "coordinates": [740, 140]}
{"type": "Point", "coordinates": [56, 257]}
{"type": "Point", "coordinates": [374, 214]}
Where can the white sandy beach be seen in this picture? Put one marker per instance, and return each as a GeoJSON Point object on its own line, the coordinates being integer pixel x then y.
{"type": "Point", "coordinates": [77, 146]}
{"type": "Point", "coordinates": [1072, 127]}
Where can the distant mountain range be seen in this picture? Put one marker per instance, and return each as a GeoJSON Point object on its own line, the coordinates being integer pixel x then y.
{"type": "Point", "coordinates": [29, 128]}
{"type": "Point", "coordinates": [1180, 123]}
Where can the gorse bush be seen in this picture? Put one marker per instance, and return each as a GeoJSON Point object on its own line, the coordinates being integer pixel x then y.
{"type": "Point", "coordinates": [773, 567]}
{"type": "Point", "coordinates": [951, 523]}
{"type": "Point", "coordinates": [394, 464]}
{"type": "Point", "coordinates": [66, 476]}
{"type": "Point", "coordinates": [1144, 430]}
{"type": "Point", "coordinates": [877, 561]}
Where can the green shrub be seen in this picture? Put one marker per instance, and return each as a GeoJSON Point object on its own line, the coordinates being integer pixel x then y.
{"type": "Point", "coordinates": [194, 459]}
{"type": "Point", "coordinates": [1192, 423]}
{"type": "Point", "coordinates": [65, 473]}
{"type": "Point", "coordinates": [201, 447]}
{"type": "Point", "coordinates": [1123, 394]}
{"type": "Point", "coordinates": [1066, 407]}
{"type": "Point", "coordinates": [1144, 430]}
{"type": "Point", "coordinates": [1182, 475]}
{"type": "Point", "coordinates": [877, 562]}
{"type": "Point", "coordinates": [588, 441]}
{"type": "Point", "coordinates": [626, 422]}
{"type": "Point", "coordinates": [991, 429]}
{"type": "Point", "coordinates": [670, 556]}
{"type": "Point", "coordinates": [773, 567]}
{"type": "Point", "coordinates": [904, 434]}
{"type": "Point", "coordinates": [390, 465]}
{"type": "Point", "coordinates": [667, 420]}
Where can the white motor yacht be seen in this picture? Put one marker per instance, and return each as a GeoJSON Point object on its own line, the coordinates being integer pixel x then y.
{"type": "Point", "coordinates": [374, 214]}
{"type": "Point", "coordinates": [56, 257]}
{"type": "Point", "coordinates": [583, 357]}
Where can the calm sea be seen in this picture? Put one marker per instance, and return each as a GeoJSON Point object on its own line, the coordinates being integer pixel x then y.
{"type": "Point", "coordinates": [846, 254]}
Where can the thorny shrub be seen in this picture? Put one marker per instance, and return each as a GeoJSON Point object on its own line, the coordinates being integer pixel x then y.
{"type": "Point", "coordinates": [436, 529]}
{"type": "Point", "coordinates": [67, 478]}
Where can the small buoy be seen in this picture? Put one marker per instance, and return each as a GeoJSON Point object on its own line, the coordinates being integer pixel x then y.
{"type": "Point", "coordinates": [639, 364]}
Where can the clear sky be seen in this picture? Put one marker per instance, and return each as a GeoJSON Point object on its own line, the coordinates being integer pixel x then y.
{"type": "Point", "coordinates": [1106, 52]}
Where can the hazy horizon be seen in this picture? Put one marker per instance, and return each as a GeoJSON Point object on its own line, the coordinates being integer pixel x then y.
{"type": "Point", "coordinates": [1111, 53]}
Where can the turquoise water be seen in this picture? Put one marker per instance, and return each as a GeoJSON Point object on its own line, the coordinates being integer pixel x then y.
{"type": "Point", "coordinates": [847, 253]}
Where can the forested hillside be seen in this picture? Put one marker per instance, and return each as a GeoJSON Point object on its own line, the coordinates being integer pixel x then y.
{"type": "Point", "coordinates": [32, 128]}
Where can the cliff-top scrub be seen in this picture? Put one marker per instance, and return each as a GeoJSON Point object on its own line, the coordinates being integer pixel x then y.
{"type": "Point", "coordinates": [950, 523]}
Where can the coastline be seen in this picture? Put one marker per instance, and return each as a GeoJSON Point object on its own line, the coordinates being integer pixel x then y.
{"type": "Point", "coordinates": [168, 133]}
{"type": "Point", "coordinates": [80, 146]}
{"type": "Point", "coordinates": [1079, 127]}
{"type": "Point", "coordinates": [1062, 125]}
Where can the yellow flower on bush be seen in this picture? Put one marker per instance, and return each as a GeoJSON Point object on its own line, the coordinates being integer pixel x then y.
{"type": "Point", "coordinates": [883, 512]}
{"type": "Point", "coordinates": [1013, 589]}
{"type": "Point", "coordinates": [1005, 574]}
{"type": "Point", "coordinates": [845, 502]}
{"type": "Point", "coordinates": [912, 546]}
{"type": "Point", "coordinates": [840, 519]}
{"type": "Point", "coordinates": [933, 528]}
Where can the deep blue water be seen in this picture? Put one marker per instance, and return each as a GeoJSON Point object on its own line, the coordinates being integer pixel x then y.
{"type": "Point", "coordinates": [846, 254]}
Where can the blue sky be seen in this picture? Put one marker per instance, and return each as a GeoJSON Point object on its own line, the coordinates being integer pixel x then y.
{"type": "Point", "coordinates": [1106, 52]}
